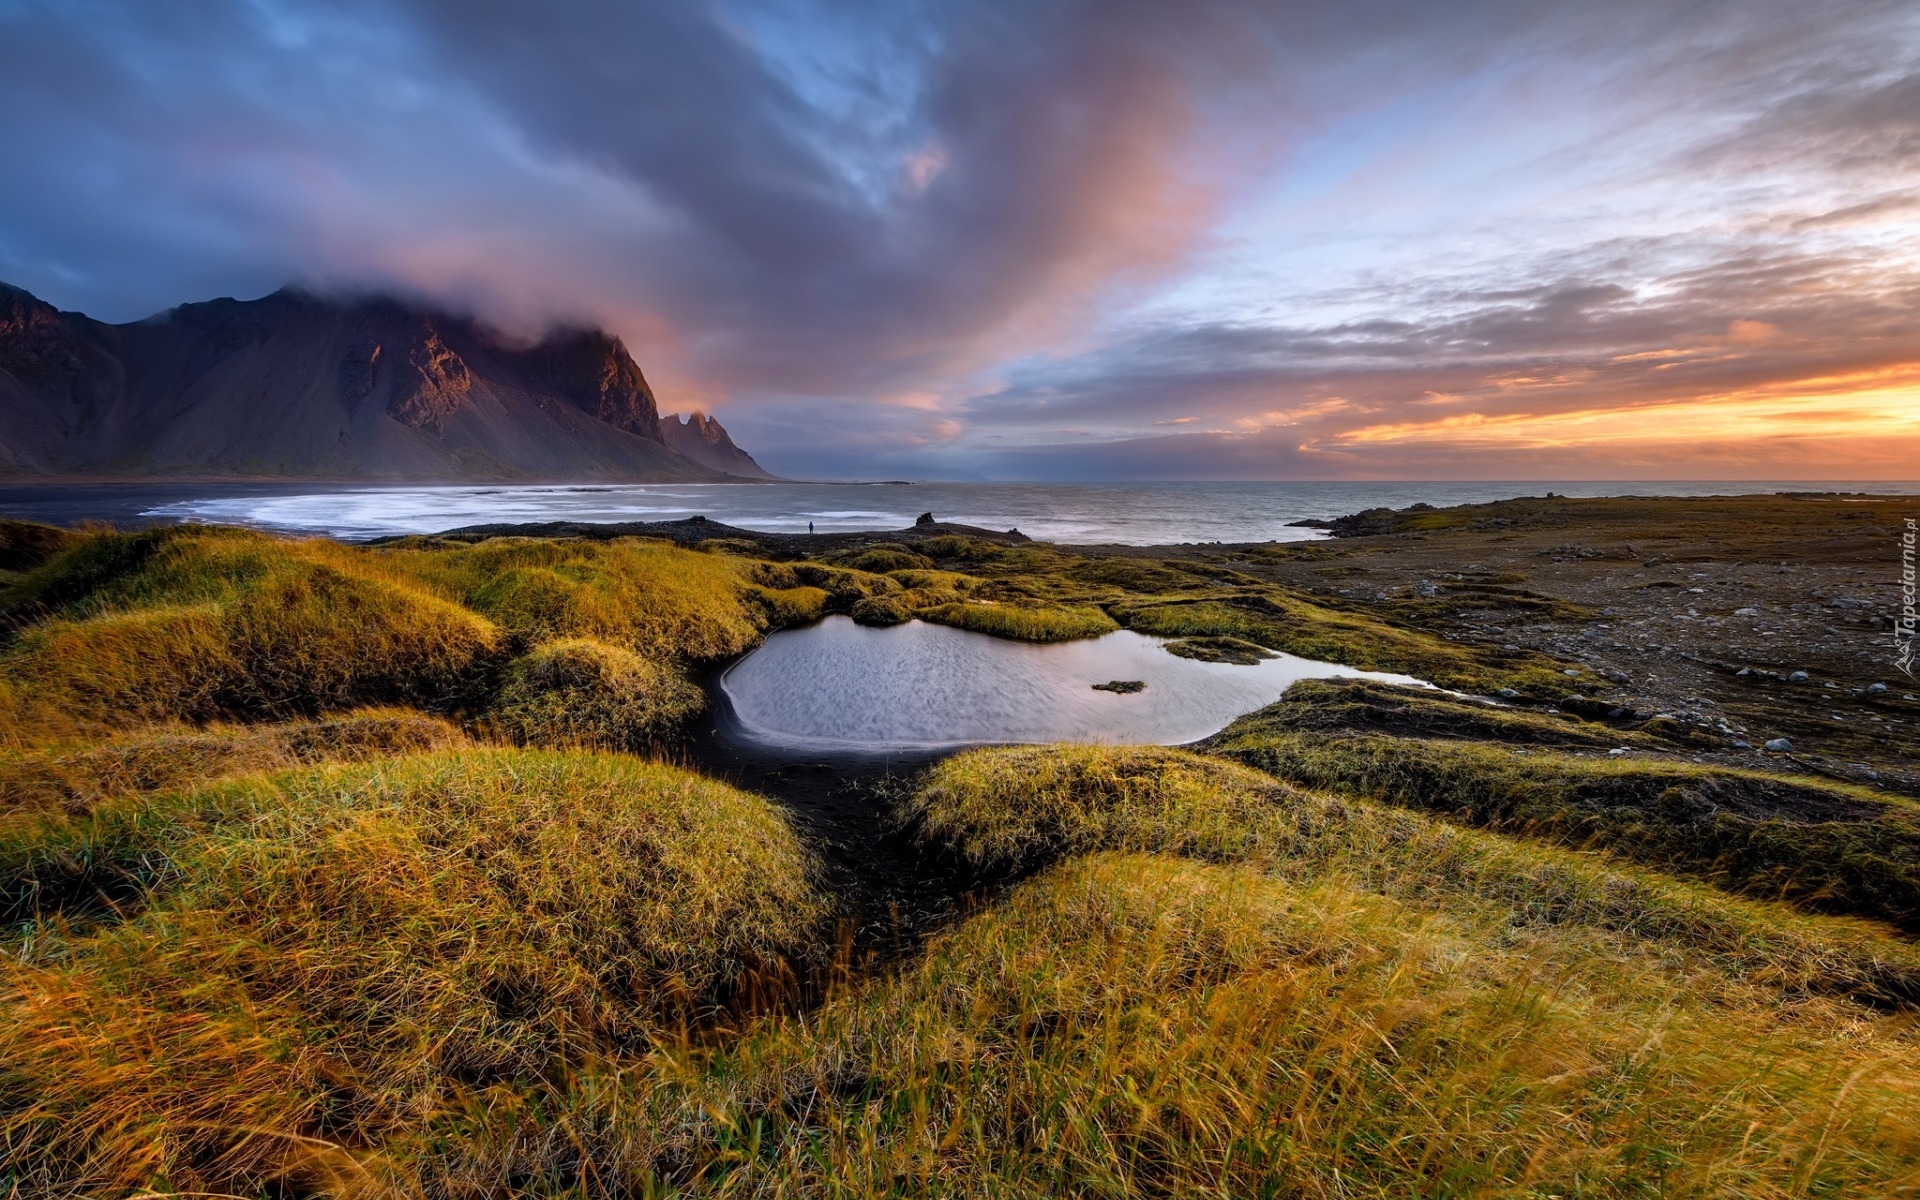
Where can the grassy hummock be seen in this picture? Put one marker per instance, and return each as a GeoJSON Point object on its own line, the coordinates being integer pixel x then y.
{"type": "Point", "coordinates": [579, 692]}
{"type": "Point", "coordinates": [1218, 650]}
{"type": "Point", "coordinates": [1829, 846]}
{"type": "Point", "coordinates": [363, 956]}
{"type": "Point", "coordinates": [72, 781]}
{"type": "Point", "coordinates": [1131, 1025]}
{"type": "Point", "coordinates": [290, 908]}
{"type": "Point", "coordinates": [1046, 623]}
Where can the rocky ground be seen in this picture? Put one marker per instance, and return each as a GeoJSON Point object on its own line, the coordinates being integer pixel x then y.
{"type": "Point", "coordinates": [1748, 618]}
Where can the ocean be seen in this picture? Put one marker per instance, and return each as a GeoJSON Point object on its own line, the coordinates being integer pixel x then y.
{"type": "Point", "coordinates": [1087, 513]}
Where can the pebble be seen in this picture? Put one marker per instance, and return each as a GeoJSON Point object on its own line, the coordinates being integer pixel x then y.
{"type": "Point", "coordinates": [1746, 612]}
{"type": "Point", "coordinates": [1507, 694]}
{"type": "Point", "coordinates": [1740, 745]}
{"type": "Point", "coordinates": [1611, 753]}
{"type": "Point", "coordinates": [1797, 677]}
{"type": "Point", "coordinates": [1780, 746]}
{"type": "Point", "coordinates": [1874, 689]}
{"type": "Point", "coordinates": [1569, 671]}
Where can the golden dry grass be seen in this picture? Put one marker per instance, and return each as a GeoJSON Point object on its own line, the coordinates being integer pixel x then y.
{"type": "Point", "coordinates": [650, 597]}
{"type": "Point", "coordinates": [1830, 846]}
{"type": "Point", "coordinates": [483, 972]}
{"type": "Point", "coordinates": [1024, 622]}
{"type": "Point", "coordinates": [73, 780]}
{"type": "Point", "coordinates": [587, 693]}
{"type": "Point", "coordinates": [1147, 1026]}
{"type": "Point", "coordinates": [133, 629]}
{"type": "Point", "coordinates": [349, 957]}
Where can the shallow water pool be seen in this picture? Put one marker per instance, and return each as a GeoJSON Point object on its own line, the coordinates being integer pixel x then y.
{"type": "Point", "coordinates": [838, 685]}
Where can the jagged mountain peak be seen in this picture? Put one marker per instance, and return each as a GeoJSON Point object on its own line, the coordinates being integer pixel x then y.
{"type": "Point", "coordinates": [297, 383]}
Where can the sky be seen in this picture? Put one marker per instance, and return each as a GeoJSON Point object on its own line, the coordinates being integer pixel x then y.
{"type": "Point", "coordinates": [1051, 239]}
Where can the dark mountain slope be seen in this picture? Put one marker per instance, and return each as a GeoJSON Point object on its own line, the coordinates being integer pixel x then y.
{"type": "Point", "coordinates": [705, 441]}
{"type": "Point", "coordinates": [294, 385]}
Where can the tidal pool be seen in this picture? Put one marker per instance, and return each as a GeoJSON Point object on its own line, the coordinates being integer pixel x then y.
{"type": "Point", "coordinates": [836, 685]}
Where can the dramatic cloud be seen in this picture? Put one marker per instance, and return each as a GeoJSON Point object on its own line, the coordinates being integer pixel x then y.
{"type": "Point", "coordinates": [1051, 238]}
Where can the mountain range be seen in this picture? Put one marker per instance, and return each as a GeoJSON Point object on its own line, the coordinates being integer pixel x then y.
{"type": "Point", "coordinates": [297, 385]}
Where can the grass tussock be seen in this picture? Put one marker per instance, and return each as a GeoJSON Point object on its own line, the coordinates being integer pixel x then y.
{"type": "Point", "coordinates": [355, 957]}
{"type": "Point", "coordinates": [880, 560]}
{"type": "Point", "coordinates": [1828, 846]}
{"type": "Point", "coordinates": [1022, 623]}
{"type": "Point", "coordinates": [1289, 623]}
{"type": "Point", "coordinates": [1218, 650]}
{"type": "Point", "coordinates": [1146, 1026]}
{"type": "Point", "coordinates": [580, 692]}
{"type": "Point", "coordinates": [72, 781]}
{"type": "Point", "coordinates": [1015, 809]}
{"type": "Point", "coordinates": [1347, 706]}
{"type": "Point", "coordinates": [650, 597]}
{"type": "Point", "coordinates": [197, 625]}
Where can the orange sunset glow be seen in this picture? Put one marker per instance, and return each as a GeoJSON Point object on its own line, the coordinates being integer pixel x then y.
{"type": "Point", "coordinates": [1232, 239]}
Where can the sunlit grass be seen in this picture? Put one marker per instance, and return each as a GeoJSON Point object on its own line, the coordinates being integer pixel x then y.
{"type": "Point", "coordinates": [72, 780]}
{"type": "Point", "coordinates": [582, 692]}
{"type": "Point", "coordinates": [1022, 623]}
{"type": "Point", "coordinates": [491, 972]}
{"type": "Point", "coordinates": [1129, 1025]}
{"type": "Point", "coordinates": [349, 957]}
{"type": "Point", "coordinates": [1281, 621]}
{"type": "Point", "coordinates": [1831, 846]}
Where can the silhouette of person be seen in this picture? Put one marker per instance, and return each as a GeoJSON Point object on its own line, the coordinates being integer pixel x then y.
{"type": "Point", "coordinates": [809, 526]}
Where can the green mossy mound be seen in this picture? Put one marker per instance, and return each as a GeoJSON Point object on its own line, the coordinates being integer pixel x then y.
{"type": "Point", "coordinates": [1218, 650]}
{"type": "Point", "coordinates": [1336, 706]}
{"type": "Point", "coordinates": [880, 560]}
{"type": "Point", "coordinates": [1040, 623]}
{"type": "Point", "coordinates": [882, 610]}
{"type": "Point", "coordinates": [1015, 809]}
{"type": "Point", "coordinates": [198, 625]}
{"type": "Point", "coordinates": [1279, 620]}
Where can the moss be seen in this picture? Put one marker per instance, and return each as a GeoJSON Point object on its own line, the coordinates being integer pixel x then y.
{"type": "Point", "coordinates": [882, 610]}
{"type": "Point", "coordinates": [844, 587]}
{"type": "Point", "coordinates": [1367, 706]}
{"type": "Point", "coordinates": [791, 606]}
{"type": "Point", "coordinates": [1218, 650]}
{"type": "Point", "coordinates": [580, 692]}
{"type": "Point", "coordinates": [879, 560]}
{"type": "Point", "coordinates": [1281, 621]}
{"type": "Point", "coordinates": [1829, 847]}
{"type": "Point", "coordinates": [1035, 624]}
{"type": "Point", "coordinates": [937, 581]}
{"type": "Point", "coordinates": [950, 547]}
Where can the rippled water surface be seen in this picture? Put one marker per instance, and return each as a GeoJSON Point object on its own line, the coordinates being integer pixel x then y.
{"type": "Point", "coordinates": [838, 685]}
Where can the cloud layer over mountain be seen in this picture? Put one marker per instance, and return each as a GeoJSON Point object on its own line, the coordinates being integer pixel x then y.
{"type": "Point", "coordinates": [1052, 238]}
